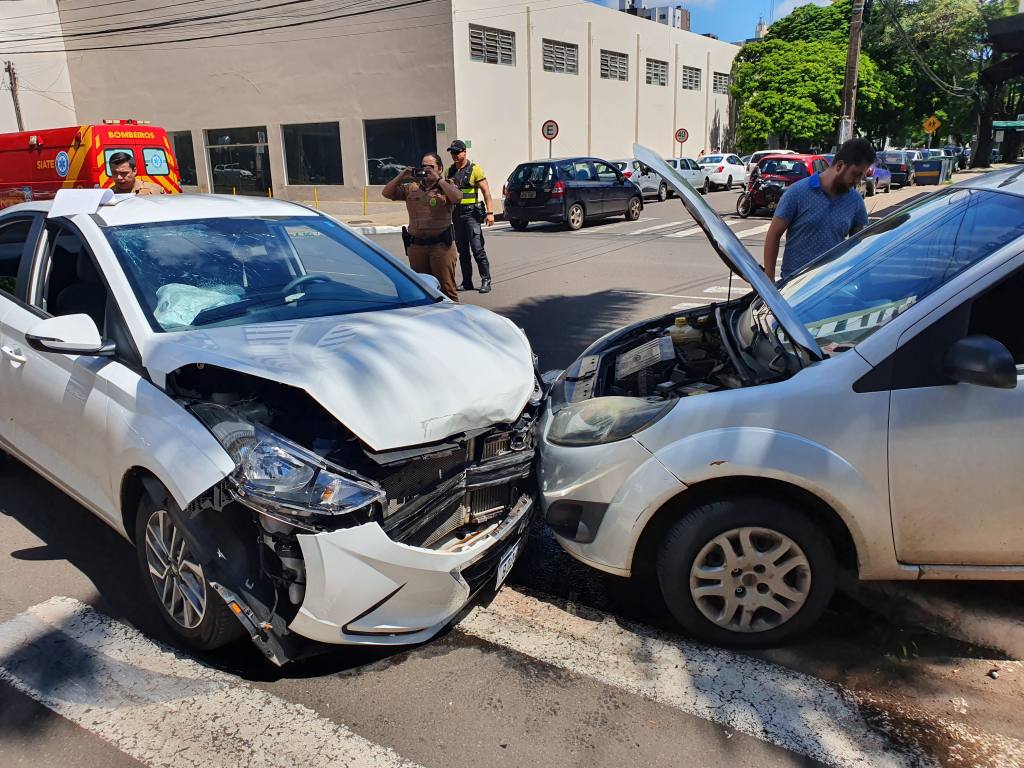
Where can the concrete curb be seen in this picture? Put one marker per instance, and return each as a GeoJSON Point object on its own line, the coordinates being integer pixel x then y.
{"type": "Point", "coordinates": [987, 614]}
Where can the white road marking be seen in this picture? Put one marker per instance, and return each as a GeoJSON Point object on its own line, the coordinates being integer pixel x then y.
{"type": "Point", "coordinates": [657, 227]}
{"type": "Point", "coordinates": [797, 712]}
{"type": "Point", "coordinates": [161, 708]}
{"type": "Point", "coordinates": [695, 230]}
{"type": "Point", "coordinates": [754, 231]}
{"type": "Point", "coordinates": [686, 305]}
{"type": "Point", "coordinates": [739, 287]}
{"type": "Point", "coordinates": [598, 229]}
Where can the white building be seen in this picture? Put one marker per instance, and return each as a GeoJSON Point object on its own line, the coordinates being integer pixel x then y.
{"type": "Point", "coordinates": [341, 103]}
{"type": "Point", "coordinates": [673, 15]}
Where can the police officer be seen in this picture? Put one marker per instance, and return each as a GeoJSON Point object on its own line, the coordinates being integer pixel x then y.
{"type": "Point", "coordinates": [430, 200]}
{"type": "Point", "coordinates": [126, 180]}
{"type": "Point", "coordinates": [469, 214]}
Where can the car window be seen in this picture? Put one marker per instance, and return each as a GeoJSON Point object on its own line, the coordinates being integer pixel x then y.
{"type": "Point", "coordinates": [861, 284]}
{"type": "Point", "coordinates": [711, 159]}
{"type": "Point", "coordinates": [156, 161]}
{"type": "Point", "coordinates": [583, 170]}
{"type": "Point", "coordinates": [531, 172]}
{"type": "Point", "coordinates": [734, 160]}
{"type": "Point", "coordinates": [794, 168]}
{"type": "Point", "coordinates": [13, 236]}
{"type": "Point", "coordinates": [69, 282]}
{"type": "Point", "coordinates": [237, 271]}
{"type": "Point", "coordinates": [605, 172]}
{"type": "Point", "coordinates": [110, 152]}
{"type": "Point", "coordinates": [996, 313]}
{"type": "Point", "coordinates": [693, 165]}
{"type": "Point", "coordinates": [565, 171]}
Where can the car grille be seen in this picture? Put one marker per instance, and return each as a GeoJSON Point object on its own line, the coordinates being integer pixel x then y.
{"type": "Point", "coordinates": [419, 475]}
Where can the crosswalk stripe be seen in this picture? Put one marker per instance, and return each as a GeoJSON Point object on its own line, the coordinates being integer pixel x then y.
{"type": "Point", "coordinates": [163, 709]}
{"type": "Point", "coordinates": [695, 230]}
{"type": "Point", "coordinates": [754, 231]}
{"type": "Point", "coordinates": [797, 712]}
{"type": "Point", "coordinates": [600, 229]}
{"type": "Point", "coordinates": [659, 226]}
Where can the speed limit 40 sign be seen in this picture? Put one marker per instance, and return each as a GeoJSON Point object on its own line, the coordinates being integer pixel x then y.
{"type": "Point", "coordinates": [682, 135]}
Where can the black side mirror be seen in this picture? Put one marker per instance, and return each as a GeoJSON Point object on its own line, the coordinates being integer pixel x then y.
{"type": "Point", "coordinates": [981, 360]}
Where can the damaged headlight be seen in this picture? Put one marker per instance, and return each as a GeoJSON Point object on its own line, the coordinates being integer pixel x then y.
{"type": "Point", "coordinates": [605, 419]}
{"type": "Point", "coordinates": [276, 475]}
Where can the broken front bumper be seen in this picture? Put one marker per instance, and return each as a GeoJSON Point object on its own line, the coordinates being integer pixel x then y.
{"type": "Point", "coordinates": [362, 588]}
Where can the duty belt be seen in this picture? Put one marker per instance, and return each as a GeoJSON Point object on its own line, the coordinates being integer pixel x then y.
{"type": "Point", "coordinates": [444, 237]}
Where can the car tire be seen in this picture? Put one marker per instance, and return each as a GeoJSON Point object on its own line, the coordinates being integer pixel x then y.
{"type": "Point", "coordinates": [869, 189]}
{"type": "Point", "coordinates": [574, 217]}
{"type": "Point", "coordinates": [154, 530]}
{"type": "Point", "coordinates": [728, 184]}
{"type": "Point", "coordinates": [518, 224]}
{"type": "Point", "coordinates": [633, 208]}
{"type": "Point", "coordinates": [772, 530]}
{"type": "Point", "coordinates": [662, 192]}
{"type": "Point", "coordinates": [706, 189]}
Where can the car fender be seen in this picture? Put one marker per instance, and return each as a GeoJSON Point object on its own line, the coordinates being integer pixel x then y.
{"type": "Point", "coordinates": [147, 429]}
{"type": "Point", "coordinates": [798, 461]}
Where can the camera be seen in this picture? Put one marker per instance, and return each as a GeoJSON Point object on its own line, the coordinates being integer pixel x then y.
{"type": "Point", "coordinates": [419, 173]}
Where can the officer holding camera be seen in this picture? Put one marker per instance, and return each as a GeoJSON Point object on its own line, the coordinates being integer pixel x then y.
{"type": "Point", "coordinates": [430, 200]}
{"type": "Point", "coordinates": [469, 215]}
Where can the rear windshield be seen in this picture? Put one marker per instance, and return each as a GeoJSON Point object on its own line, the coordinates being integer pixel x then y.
{"type": "Point", "coordinates": [794, 168]}
{"type": "Point", "coordinates": [156, 161]}
{"type": "Point", "coordinates": [711, 159]}
{"type": "Point", "coordinates": [892, 157]}
{"type": "Point", "coordinates": [531, 172]}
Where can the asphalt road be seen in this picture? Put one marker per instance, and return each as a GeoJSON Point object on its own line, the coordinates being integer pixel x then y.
{"type": "Point", "coordinates": [564, 666]}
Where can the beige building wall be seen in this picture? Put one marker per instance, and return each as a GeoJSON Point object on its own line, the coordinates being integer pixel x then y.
{"type": "Point", "coordinates": [500, 108]}
{"type": "Point", "coordinates": [44, 87]}
{"type": "Point", "coordinates": [395, 64]}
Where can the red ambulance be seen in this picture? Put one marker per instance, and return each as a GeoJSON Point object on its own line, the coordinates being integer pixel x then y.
{"type": "Point", "coordinates": [35, 164]}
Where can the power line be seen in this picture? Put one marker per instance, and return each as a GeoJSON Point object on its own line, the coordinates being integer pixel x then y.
{"type": "Point", "coordinates": [291, 25]}
{"type": "Point", "coordinates": [61, 24]}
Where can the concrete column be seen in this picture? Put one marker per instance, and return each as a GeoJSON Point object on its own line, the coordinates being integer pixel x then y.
{"type": "Point", "coordinates": [708, 85]}
{"type": "Point", "coordinates": [529, 86]}
{"type": "Point", "coordinates": [203, 179]}
{"type": "Point", "coordinates": [275, 157]}
{"type": "Point", "coordinates": [590, 87]}
{"type": "Point", "coordinates": [636, 114]}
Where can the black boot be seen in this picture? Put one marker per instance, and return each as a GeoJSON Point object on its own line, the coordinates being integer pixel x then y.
{"type": "Point", "coordinates": [466, 287]}
{"type": "Point", "coordinates": [485, 285]}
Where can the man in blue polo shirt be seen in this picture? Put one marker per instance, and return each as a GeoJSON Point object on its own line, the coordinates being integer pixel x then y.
{"type": "Point", "coordinates": [820, 211]}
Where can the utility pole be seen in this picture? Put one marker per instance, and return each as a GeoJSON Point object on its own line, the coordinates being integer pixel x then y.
{"type": "Point", "coordinates": [852, 65]}
{"type": "Point", "coordinates": [12, 79]}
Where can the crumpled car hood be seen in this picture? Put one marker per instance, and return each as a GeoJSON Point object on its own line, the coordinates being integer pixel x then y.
{"type": "Point", "coordinates": [395, 378]}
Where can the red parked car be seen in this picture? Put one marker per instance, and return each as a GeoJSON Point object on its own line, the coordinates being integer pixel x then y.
{"type": "Point", "coordinates": [770, 178]}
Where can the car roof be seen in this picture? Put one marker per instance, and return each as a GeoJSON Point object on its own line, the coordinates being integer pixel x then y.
{"type": "Point", "coordinates": [1008, 180]}
{"type": "Point", "coordinates": [144, 209]}
{"type": "Point", "coordinates": [790, 157]}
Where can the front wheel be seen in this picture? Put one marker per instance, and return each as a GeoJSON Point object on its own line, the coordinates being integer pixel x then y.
{"type": "Point", "coordinates": [869, 189]}
{"type": "Point", "coordinates": [750, 571]}
{"type": "Point", "coordinates": [728, 184]}
{"type": "Point", "coordinates": [574, 217]}
{"type": "Point", "coordinates": [175, 582]}
{"type": "Point", "coordinates": [744, 206]}
{"type": "Point", "coordinates": [633, 209]}
{"type": "Point", "coordinates": [518, 224]}
{"type": "Point", "coordinates": [662, 192]}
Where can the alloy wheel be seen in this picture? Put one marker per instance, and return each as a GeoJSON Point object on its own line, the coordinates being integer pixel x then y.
{"type": "Point", "coordinates": [576, 216]}
{"type": "Point", "coordinates": [634, 208]}
{"type": "Point", "coordinates": [177, 577]}
{"type": "Point", "coordinates": [750, 579]}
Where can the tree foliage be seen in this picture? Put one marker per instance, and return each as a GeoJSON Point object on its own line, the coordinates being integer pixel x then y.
{"type": "Point", "coordinates": [929, 64]}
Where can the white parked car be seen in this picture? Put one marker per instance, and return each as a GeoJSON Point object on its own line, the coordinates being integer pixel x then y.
{"type": "Point", "coordinates": [689, 169]}
{"type": "Point", "coordinates": [303, 438]}
{"type": "Point", "coordinates": [650, 183]}
{"type": "Point", "coordinates": [758, 156]}
{"type": "Point", "coordinates": [721, 171]}
{"type": "Point", "coordinates": [866, 414]}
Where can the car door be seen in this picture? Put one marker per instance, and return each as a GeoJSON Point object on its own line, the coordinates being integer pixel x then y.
{"type": "Point", "coordinates": [956, 489]}
{"type": "Point", "coordinates": [588, 187]}
{"type": "Point", "coordinates": [693, 173]}
{"type": "Point", "coordinates": [59, 400]}
{"type": "Point", "coordinates": [648, 180]}
{"type": "Point", "coordinates": [18, 236]}
{"type": "Point", "coordinates": [615, 189]}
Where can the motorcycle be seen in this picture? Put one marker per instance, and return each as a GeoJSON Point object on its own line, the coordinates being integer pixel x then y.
{"type": "Point", "coordinates": [760, 193]}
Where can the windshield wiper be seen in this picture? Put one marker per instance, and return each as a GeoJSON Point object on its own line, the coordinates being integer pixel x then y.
{"type": "Point", "coordinates": [238, 308]}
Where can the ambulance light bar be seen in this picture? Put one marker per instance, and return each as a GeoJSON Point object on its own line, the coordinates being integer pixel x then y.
{"type": "Point", "coordinates": [126, 121]}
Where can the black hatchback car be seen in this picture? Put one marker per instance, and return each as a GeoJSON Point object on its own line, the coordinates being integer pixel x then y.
{"type": "Point", "coordinates": [570, 190]}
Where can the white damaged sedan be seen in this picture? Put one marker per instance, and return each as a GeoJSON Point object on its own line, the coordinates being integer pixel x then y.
{"type": "Point", "coordinates": [305, 441]}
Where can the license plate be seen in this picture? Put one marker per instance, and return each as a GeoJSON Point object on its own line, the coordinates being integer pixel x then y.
{"type": "Point", "coordinates": [507, 561]}
{"type": "Point", "coordinates": [527, 193]}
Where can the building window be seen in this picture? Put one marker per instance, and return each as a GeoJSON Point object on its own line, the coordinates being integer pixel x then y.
{"type": "Point", "coordinates": [720, 82]}
{"type": "Point", "coordinates": [657, 72]}
{"type": "Point", "coordinates": [492, 46]}
{"type": "Point", "coordinates": [185, 155]}
{"type": "Point", "coordinates": [561, 57]}
{"type": "Point", "coordinates": [312, 153]}
{"type": "Point", "coordinates": [614, 66]}
{"type": "Point", "coordinates": [691, 78]}
{"type": "Point", "coordinates": [392, 145]}
{"type": "Point", "coordinates": [239, 163]}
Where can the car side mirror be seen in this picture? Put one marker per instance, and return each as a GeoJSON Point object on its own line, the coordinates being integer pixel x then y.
{"type": "Point", "coordinates": [981, 360]}
{"type": "Point", "coordinates": [430, 280]}
{"type": "Point", "coordinates": [69, 335]}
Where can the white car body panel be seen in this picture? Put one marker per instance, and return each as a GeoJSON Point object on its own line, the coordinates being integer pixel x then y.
{"type": "Point", "coordinates": [736, 170]}
{"type": "Point", "coordinates": [461, 367]}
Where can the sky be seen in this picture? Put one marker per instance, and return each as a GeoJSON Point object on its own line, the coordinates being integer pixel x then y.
{"type": "Point", "coordinates": [731, 20]}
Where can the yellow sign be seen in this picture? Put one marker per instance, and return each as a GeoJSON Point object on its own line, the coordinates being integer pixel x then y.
{"type": "Point", "coordinates": [932, 124]}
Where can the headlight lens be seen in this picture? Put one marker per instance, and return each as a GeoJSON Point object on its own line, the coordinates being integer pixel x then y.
{"type": "Point", "coordinates": [278, 476]}
{"type": "Point", "coordinates": [605, 419]}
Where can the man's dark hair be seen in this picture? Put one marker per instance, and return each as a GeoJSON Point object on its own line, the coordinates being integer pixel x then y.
{"type": "Point", "coordinates": [436, 158]}
{"type": "Point", "coordinates": [120, 158]}
{"type": "Point", "coordinates": [856, 152]}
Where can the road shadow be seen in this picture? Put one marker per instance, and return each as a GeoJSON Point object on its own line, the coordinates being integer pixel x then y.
{"type": "Point", "coordinates": [560, 327]}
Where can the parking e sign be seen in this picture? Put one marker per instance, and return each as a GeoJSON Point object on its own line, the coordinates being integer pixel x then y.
{"type": "Point", "coordinates": [549, 130]}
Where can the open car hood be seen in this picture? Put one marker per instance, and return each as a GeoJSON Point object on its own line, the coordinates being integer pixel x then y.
{"type": "Point", "coordinates": [728, 246]}
{"type": "Point", "coordinates": [395, 378]}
